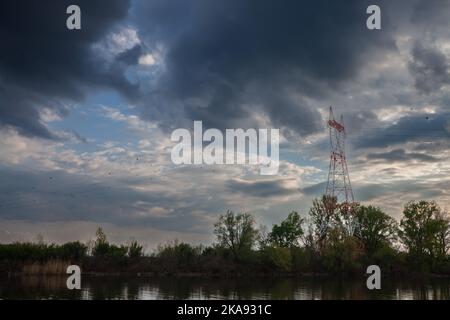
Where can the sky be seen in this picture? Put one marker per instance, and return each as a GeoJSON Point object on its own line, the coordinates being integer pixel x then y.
{"type": "Point", "coordinates": [86, 115]}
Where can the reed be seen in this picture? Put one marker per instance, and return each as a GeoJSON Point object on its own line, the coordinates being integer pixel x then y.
{"type": "Point", "coordinates": [51, 267]}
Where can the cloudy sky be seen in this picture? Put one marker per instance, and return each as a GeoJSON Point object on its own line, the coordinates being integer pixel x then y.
{"type": "Point", "coordinates": [86, 116]}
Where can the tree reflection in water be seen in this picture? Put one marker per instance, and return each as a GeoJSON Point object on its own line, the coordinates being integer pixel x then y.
{"type": "Point", "coordinates": [99, 288]}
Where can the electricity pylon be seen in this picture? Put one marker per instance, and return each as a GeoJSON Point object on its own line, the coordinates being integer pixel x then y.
{"type": "Point", "coordinates": [338, 184]}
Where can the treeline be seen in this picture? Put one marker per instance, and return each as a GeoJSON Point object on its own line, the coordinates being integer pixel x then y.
{"type": "Point", "coordinates": [332, 239]}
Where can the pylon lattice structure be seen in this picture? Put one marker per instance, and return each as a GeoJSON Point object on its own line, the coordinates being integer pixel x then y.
{"type": "Point", "coordinates": [338, 184]}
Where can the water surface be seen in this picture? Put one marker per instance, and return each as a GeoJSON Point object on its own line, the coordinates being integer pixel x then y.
{"type": "Point", "coordinates": [54, 287]}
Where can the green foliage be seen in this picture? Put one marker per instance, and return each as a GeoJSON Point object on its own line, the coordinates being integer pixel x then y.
{"type": "Point", "coordinates": [374, 228]}
{"type": "Point", "coordinates": [322, 215]}
{"type": "Point", "coordinates": [327, 217]}
{"type": "Point", "coordinates": [73, 251]}
{"type": "Point", "coordinates": [104, 250]}
{"type": "Point", "coordinates": [100, 236]}
{"type": "Point", "coordinates": [424, 230]}
{"type": "Point", "coordinates": [288, 233]}
{"type": "Point", "coordinates": [389, 259]}
{"type": "Point", "coordinates": [179, 257]}
{"type": "Point", "coordinates": [342, 253]}
{"type": "Point", "coordinates": [277, 258]}
{"type": "Point", "coordinates": [41, 252]}
{"type": "Point", "coordinates": [303, 259]}
{"type": "Point", "coordinates": [441, 243]}
{"type": "Point", "coordinates": [135, 250]}
{"type": "Point", "coordinates": [236, 232]}
{"type": "Point", "coordinates": [341, 235]}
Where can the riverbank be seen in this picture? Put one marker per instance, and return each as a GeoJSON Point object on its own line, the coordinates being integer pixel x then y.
{"type": "Point", "coordinates": [138, 270]}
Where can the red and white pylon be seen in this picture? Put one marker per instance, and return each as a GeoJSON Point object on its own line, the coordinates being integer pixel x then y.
{"type": "Point", "coordinates": [338, 184]}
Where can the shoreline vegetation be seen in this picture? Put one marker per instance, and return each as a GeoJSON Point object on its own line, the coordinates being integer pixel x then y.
{"type": "Point", "coordinates": [334, 239]}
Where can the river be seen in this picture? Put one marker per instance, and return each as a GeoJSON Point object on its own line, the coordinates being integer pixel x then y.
{"type": "Point", "coordinates": [54, 287]}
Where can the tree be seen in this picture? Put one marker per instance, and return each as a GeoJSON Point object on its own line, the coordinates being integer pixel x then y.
{"type": "Point", "coordinates": [40, 239]}
{"type": "Point", "coordinates": [341, 253]}
{"type": "Point", "coordinates": [345, 217]}
{"type": "Point", "coordinates": [422, 228]}
{"type": "Point", "coordinates": [443, 233]}
{"type": "Point", "coordinates": [374, 228]}
{"type": "Point", "coordinates": [263, 237]}
{"type": "Point", "coordinates": [236, 232]}
{"type": "Point", "coordinates": [277, 258]}
{"type": "Point", "coordinates": [321, 215]}
{"type": "Point", "coordinates": [135, 250]}
{"type": "Point", "coordinates": [73, 250]}
{"type": "Point", "coordinates": [289, 232]}
{"type": "Point", "coordinates": [101, 246]}
{"type": "Point", "coordinates": [100, 236]}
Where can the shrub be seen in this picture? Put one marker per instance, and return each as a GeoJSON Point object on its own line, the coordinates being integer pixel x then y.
{"type": "Point", "coordinates": [277, 258]}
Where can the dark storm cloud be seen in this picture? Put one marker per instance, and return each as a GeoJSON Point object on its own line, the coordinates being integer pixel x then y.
{"type": "Point", "coordinates": [261, 189]}
{"type": "Point", "coordinates": [227, 60]}
{"type": "Point", "coordinates": [43, 64]}
{"type": "Point", "coordinates": [418, 128]}
{"type": "Point", "coordinates": [402, 156]}
{"type": "Point", "coordinates": [430, 68]}
{"type": "Point", "coordinates": [19, 108]}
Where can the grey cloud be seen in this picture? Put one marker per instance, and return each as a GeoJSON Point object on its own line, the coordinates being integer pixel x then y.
{"type": "Point", "coordinates": [406, 188]}
{"type": "Point", "coordinates": [433, 146]}
{"type": "Point", "coordinates": [78, 137]}
{"type": "Point", "coordinates": [430, 68]}
{"type": "Point", "coordinates": [19, 109]}
{"type": "Point", "coordinates": [52, 196]}
{"type": "Point", "coordinates": [402, 156]}
{"type": "Point", "coordinates": [315, 189]}
{"type": "Point", "coordinates": [131, 56]}
{"type": "Point", "coordinates": [432, 13]}
{"type": "Point", "coordinates": [261, 189]}
{"type": "Point", "coordinates": [371, 192]}
{"type": "Point", "coordinates": [419, 128]}
{"type": "Point", "coordinates": [358, 120]}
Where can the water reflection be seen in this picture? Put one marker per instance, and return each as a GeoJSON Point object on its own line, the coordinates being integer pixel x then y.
{"type": "Point", "coordinates": [99, 288]}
